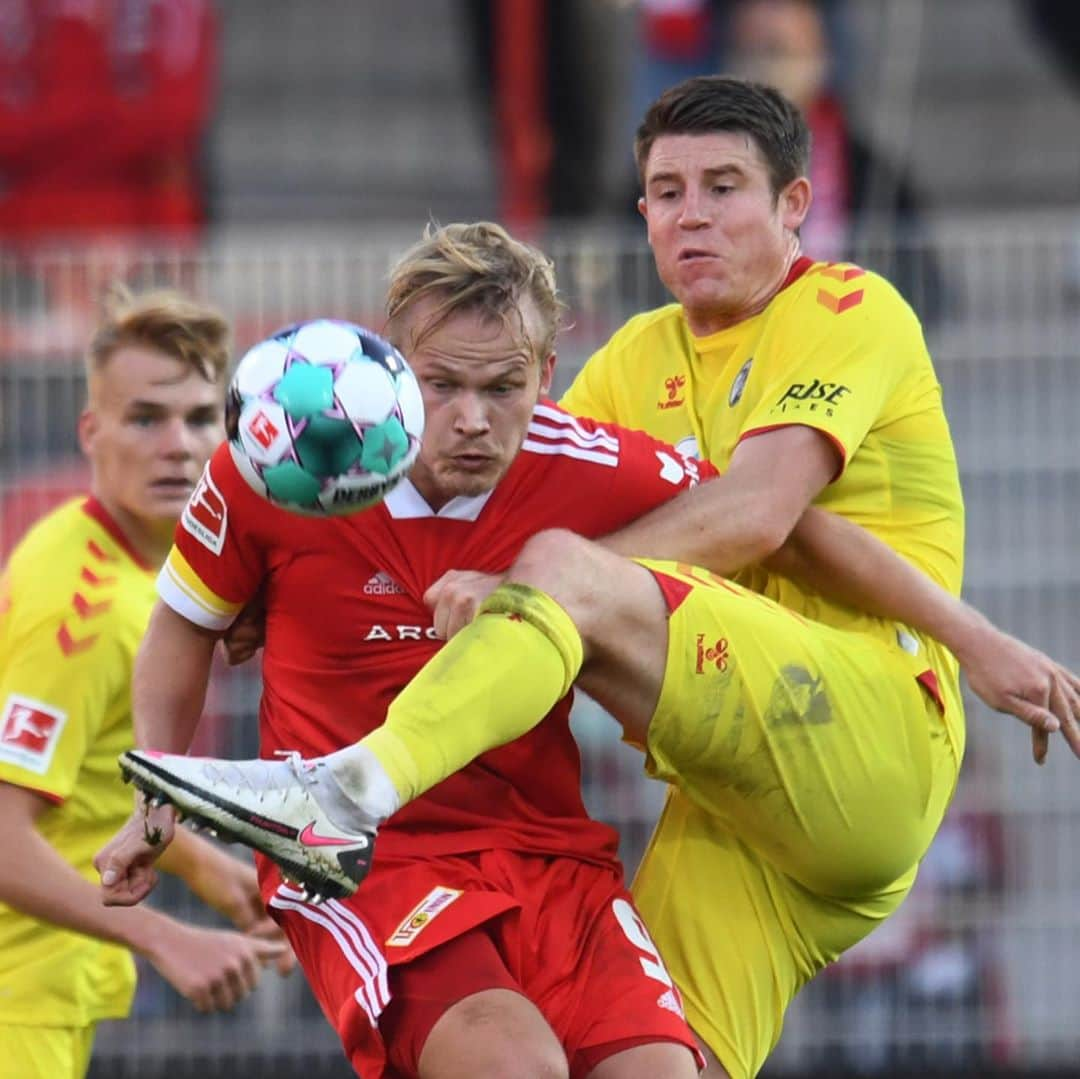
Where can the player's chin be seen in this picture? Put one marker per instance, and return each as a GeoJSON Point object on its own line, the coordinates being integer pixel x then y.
{"type": "Point", "coordinates": [476, 479]}
{"type": "Point", "coordinates": [473, 486]}
{"type": "Point", "coordinates": [165, 506]}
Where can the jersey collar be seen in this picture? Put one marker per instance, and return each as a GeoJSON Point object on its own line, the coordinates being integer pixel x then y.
{"type": "Point", "coordinates": [704, 344]}
{"type": "Point", "coordinates": [798, 268]}
{"type": "Point", "coordinates": [405, 502]}
{"type": "Point", "coordinates": [96, 511]}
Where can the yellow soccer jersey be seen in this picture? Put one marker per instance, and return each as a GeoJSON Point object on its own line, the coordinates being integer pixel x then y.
{"type": "Point", "coordinates": [74, 603]}
{"type": "Point", "coordinates": [839, 350]}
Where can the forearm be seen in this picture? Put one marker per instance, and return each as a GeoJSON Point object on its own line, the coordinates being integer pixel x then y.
{"type": "Point", "coordinates": [719, 525]}
{"type": "Point", "coordinates": [188, 857]}
{"type": "Point", "coordinates": [739, 518]}
{"type": "Point", "coordinates": [168, 689]}
{"type": "Point", "coordinates": [847, 564]}
{"type": "Point", "coordinates": [201, 865]}
{"type": "Point", "coordinates": [225, 883]}
{"type": "Point", "coordinates": [36, 880]}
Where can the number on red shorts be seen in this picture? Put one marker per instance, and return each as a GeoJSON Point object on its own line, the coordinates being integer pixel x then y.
{"type": "Point", "coordinates": [638, 935]}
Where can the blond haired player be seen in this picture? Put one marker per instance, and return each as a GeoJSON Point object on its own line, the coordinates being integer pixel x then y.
{"type": "Point", "coordinates": [812, 749]}
{"type": "Point", "coordinates": [74, 601]}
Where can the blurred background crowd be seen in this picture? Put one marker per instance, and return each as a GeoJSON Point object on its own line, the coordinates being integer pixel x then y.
{"type": "Point", "coordinates": [273, 156]}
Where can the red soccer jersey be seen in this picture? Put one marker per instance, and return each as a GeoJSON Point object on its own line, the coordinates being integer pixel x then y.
{"type": "Point", "coordinates": [346, 626]}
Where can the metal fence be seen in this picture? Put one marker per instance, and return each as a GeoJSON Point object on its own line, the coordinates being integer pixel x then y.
{"type": "Point", "coordinates": [978, 969]}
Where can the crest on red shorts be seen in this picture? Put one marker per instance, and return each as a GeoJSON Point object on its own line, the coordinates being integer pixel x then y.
{"type": "Point", "coordinates": [419, 918]}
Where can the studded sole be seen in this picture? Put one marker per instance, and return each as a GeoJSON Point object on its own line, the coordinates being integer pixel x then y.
{"type": "Point", "coordinates": [317, 888]}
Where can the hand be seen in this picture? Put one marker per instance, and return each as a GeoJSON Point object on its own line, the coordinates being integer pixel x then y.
{"type": "Point", "coordinates": [247, 634]}
{"type": "Point", "coordinates": [126, 862]}
{"type": "Point", "coordinates": [1014, 678]}
{"type": "Point", "coordinates": [456, 597]}
{"type": "Point", "coordinates": [213, 968]}
{"type": "Point", "coordinates": [231, 887]}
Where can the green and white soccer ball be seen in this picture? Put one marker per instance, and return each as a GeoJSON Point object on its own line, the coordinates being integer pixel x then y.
{"type": "Point", "coordinates": [325, 417]}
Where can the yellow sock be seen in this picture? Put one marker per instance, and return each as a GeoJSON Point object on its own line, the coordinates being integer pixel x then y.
{"type": "Point", "coordinates": [493, 682]}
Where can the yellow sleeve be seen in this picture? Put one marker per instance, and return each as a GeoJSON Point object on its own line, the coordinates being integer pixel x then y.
{"type": "Point", "coordinates": [56, 687]}
{"type": "Point", "coordinates": [840, 355]}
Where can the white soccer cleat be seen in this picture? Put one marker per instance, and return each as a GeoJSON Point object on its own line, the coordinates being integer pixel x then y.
{"type": "Point", "coordinates": [277, 807]}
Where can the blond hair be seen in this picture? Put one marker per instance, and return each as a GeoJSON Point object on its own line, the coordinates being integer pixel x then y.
{"type": "Point", "coordinates": [164, 320]}
{"type": "Point", "coordinates": [475, 267]}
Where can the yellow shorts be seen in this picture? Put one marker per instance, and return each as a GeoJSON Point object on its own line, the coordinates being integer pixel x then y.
{"type": "Point", "coordinates": [31, 1052]}
{"type": "Point", "coordinates": [809, 773]}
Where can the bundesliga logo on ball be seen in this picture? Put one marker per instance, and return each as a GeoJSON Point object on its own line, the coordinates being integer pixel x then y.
{"type": "Point", "coordinates": [325, 417]}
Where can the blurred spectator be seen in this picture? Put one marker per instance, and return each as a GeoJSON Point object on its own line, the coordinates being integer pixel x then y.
{"type": "Point", "coordinates": [567, 142]}
{"type": "Point", "coordinates": [1058, 25]}
{"type": "Point", "coordinates": [785, 43]}
{"type": "Point", "coordinates": [864, 209]}
{"type": "Point", "coordinates": [103, 105]}
{"type": "Point", "coordinates": [678, 39]}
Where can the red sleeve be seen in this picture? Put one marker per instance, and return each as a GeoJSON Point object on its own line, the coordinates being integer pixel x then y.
{"type": "Point", "coordinates": [647, 472]}
{"type": "Point", "coordinates": [221, 534]}
{"type": "Point", "coordinates": [595, 478]}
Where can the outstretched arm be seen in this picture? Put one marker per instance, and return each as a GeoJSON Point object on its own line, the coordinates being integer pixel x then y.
{"type": "Point", "coordinates": [759, 511]}
{"type": "Point", "coordinates": [211, 968]}
{"type": "Point", "coordinates": [172, 670]}
{"type": "Point", "coordinates": [847, 563]}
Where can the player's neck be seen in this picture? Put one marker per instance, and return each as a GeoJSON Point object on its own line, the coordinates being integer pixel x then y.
{"type": "Point", "coordinates": [149, 539]}
{"type": "Point", "coordinates": [706, 324]}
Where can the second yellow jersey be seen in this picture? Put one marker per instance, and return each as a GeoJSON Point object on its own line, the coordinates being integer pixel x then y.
{"type": "Point", "coordinates": [74, 603]}
{"type": "Point", "coordinates": [836, 349]}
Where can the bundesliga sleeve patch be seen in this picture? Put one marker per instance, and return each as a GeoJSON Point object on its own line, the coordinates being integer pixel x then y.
{"type": "Point", "coordinates": [29, 733]}
{"type": "Point", "coordinates": [206, 516]}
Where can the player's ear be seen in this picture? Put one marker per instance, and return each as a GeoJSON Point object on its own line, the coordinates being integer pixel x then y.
{"type": "Point", "coordinates": [547, 373]}
{"type": "Point", "coordinates": [88, 427]}
{"type": "Point", "coordinates": [795, 202]}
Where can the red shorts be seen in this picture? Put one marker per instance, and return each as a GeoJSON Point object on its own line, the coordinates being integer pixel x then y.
{"type": "Point", "coordinates": [421, 935]}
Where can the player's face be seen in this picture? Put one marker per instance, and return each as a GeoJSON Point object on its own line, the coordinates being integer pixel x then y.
{"type": "Point", "coordinates": [722, 243]}
{"type": "Point", "coordinates": [150, 426]}
{"type": "Point", "coordinates": [480, 383]}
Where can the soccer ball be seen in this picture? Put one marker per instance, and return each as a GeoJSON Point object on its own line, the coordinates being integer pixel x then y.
{"type": "Point", "coordinates": [325, 417]}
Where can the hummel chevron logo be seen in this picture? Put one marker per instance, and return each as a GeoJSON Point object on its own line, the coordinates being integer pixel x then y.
{"type": "Point", "coordinates": [85, 609]}
{"type": "Point", "coordinates": [90, 577]}
{"type": "Point", "coordinates": [310, 838]}
{"type": "Point", "coordinates": [69, 644]}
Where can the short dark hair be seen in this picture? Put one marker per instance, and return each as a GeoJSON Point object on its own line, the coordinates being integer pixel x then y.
{"type": "Point", "coordinates": [707, 104]}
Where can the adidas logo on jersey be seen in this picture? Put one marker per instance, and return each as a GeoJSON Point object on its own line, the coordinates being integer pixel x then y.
{"type": "Point", "coordinates": [671, 1002]}
{"type": "Point", "coordinates": [382, 584]}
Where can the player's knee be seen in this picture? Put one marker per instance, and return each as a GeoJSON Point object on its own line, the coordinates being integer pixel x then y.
{"type": "Point", "coordinates": [491, 1035]}
{"type": "Point", "coordinates": [551, 556]}
{"type": "Point", "coordinates": [565, 566]}
{"type": "Point", "coordinates": [523, 1062]}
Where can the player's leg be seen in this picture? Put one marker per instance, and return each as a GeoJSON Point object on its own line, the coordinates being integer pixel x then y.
{"type": "Point", "coordinates": [455, 1010]}
{"type": "Point", "coordinates": [488, 1035]}
{"type": "Point", "coordinates": [565, 600]}
{"type": "Point", "coordinates": [649, 1061]}
{"type": "Point", "coordinates": [817, 747]}
{"type": "Point", "coordinates": [739, 973]}
{"type": "Point", "coordinates": [592, 968]}
{"type": "Point", "coordinates": [713, 1068]}
{"type": "Point", "coordinates": [812, 772]}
